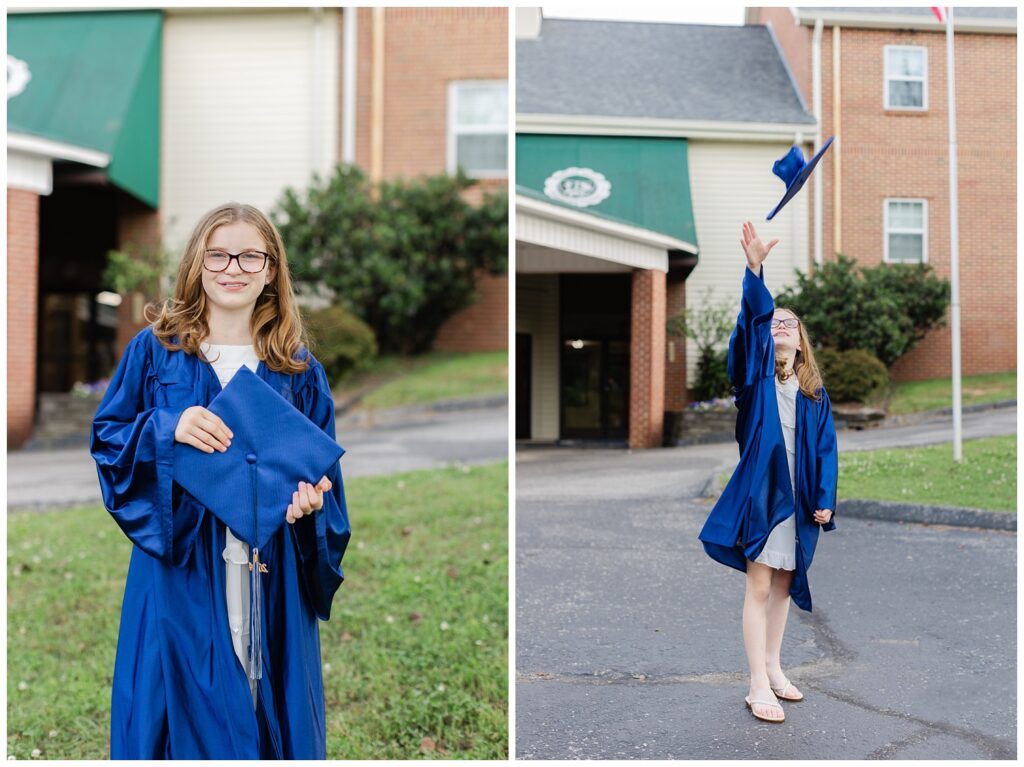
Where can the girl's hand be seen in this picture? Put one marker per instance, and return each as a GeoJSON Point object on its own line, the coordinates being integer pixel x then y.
{"type": "Point", "coordinates": [202, 429]}
{"type": "Point", "coordinates": [756, 250]}
{"type": "Point", "coordinates": [307, 499]}
{"type": "Point", "coordinates": [822, 516]}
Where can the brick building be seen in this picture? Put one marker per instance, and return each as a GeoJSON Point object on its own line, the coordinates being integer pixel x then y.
{"type": "Point", "coordinates": [438, 63]}
{"type": "Point", "coordinates": [885, 182]}
{"type": "Point", "coordinates": [204, 105]}
{"type": "Point", "coordinates": [640, 149]}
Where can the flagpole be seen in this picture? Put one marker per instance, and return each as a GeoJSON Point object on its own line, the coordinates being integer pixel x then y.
{"type": "Point", "coordinates": [954, 245]}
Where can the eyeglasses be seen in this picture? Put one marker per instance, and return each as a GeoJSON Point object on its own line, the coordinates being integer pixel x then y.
{"type": "Point", "coordinates": [789, 322]}
{"type": "Point", "coordinates": [249, 261]}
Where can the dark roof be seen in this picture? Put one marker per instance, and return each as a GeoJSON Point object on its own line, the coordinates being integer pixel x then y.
{"type": "Point", "coordinates": [656, 70]}
{"type": "Point", "coordinates": [965, 12]}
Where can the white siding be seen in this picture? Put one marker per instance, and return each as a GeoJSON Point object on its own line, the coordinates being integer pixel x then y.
{"type": "Point", "coordinates": [731, 183]}
{"type": "Point", "coordinates": [559, 235]}
{"type": "Point", "coordinates": [537, 314]}
{"type": "Point", "coordinates": [250, 106]}
{"type": "Point", "coordinates": [30, 172]}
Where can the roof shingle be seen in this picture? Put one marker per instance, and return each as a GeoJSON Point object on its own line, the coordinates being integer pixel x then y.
{"type": "Point", "coordinates": [656, 70]}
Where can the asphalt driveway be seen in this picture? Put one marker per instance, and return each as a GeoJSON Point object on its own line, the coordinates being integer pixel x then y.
{"type": "Point", "coordinates": [628, 636]}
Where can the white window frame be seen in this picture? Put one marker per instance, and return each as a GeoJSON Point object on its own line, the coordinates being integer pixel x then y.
{"type": "Point", "coordinates": [454, 131]}
{"type": "Point", "coordinates": [886, 231]}
{"type": "Point", "coordinates": [923, 79]}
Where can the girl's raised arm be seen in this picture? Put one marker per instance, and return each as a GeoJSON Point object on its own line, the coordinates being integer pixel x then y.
{"type": "Point", "coordinates": [751, 340]}
{"type": "Point", "coordinates": [133, 446]}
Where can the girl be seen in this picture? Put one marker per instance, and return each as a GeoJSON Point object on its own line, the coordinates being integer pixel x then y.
{"type": "Point", "coordinates": [180, 687]}
{"type": "Point", "coordinates": [766, 522]}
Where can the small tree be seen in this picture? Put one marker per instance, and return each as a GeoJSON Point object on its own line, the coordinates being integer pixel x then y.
{"type": "Point", "coordinates": [885, 309]}
{"type": "Point", "coordinates": [402, 259]}
{"type": "Point", "coordinates": [709, 325]}
{"type": "Point", "coordinates": [139, 269]}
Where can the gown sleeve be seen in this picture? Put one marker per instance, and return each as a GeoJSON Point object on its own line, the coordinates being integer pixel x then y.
{"type": "Point", "coordinates": [321, 538]}
{"type": "Point", "coordinates": [132, 444]}
{"type": "Point", "coordinates": [827, 462]}
{"type": "Point", "coordinates": [751, 339]}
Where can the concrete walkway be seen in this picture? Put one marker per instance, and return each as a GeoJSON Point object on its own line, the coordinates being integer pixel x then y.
{"type": "Point", "coordinates": [423, 439]}
{"type": "Point", "coordinates": [629, 643]}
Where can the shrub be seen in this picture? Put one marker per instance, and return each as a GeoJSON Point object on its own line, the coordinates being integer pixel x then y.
{"type": "Point", "coordinates": [712, 375]}
{"type": "Point", "coordinates": [402, 256]}
{"type": "Point", "coordinates": [885, 309]}
{"type": "Point", "coordinates": [340, 340]}
{"type": "Point", "coordinates": [709, 324]}
{"type": "Point", "coordinates": [852, 375]}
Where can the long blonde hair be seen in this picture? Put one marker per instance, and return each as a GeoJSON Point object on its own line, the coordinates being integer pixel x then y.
{"type": "Point", "coordinates": [276, 326]}
{"type": "Point", "coordinates": [806, 369]}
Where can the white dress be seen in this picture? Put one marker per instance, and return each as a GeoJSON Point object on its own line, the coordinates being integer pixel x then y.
{"type": "Point", "coordinates": [226, 360]}
{"type": "Point", "coordinates": [780, 549]}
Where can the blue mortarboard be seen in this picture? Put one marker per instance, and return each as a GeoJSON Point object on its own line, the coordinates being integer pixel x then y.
{"type": "Point", "coordinates": [274, 447]}
{"type": "Point", "coordinates": [794, 171]}
{"type": "Point", "coordinates": [249, 486]}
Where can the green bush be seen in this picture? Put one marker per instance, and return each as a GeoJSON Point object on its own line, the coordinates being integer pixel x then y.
{"type": "Point", "coordinates": [340, 340]}
{"type": "Point", "coordinates": [712, 375]}
{"type": "Point", "coordinates": [852, 375]}
{"type": "Point", "coordinates": [403, 256]}
{"type": "Point", "coordinates": [885, 309]}
{"type": "Point", "coordinates": [709, 324]}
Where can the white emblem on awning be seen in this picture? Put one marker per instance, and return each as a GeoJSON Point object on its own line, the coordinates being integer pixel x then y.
{"type": "Point", "coordinates": [18, 76]}
{"type": "Point", "coordinates": [581, 187]}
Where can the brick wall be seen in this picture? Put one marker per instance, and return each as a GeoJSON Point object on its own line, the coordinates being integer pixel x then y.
{"type": "Point", "coordinates": [675, 370]}
{"type": "Point", "coordinates": [795, 43]}
{"type": "Point", "coordinates": [477, 327]}
{"type": "Point", "coordinates": [905, 154]}
{"type": "Point", "coordinates": [425, 49]}
{"type": "Point", "coordinates": [647, 359]}
{"type": "Point", "coordinates": [22, 291]}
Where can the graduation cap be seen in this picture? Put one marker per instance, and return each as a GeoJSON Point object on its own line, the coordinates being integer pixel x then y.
{"type": "Point", "coordinates": [249, 486]}
{"type": "Point", "coordinates": [794, 171]}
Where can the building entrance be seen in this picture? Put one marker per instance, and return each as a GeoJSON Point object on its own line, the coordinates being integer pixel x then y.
{"type": "Point", "coordinates": [595, 321]}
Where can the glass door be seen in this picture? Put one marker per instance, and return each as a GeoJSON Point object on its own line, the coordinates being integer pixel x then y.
{"type": "Point", "coordinates": [595, 388]}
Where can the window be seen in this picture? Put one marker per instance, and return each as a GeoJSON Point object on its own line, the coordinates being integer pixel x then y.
{"type": "Point", "coordinates": [906, 77]}
{"type": "Point", "coordinates": [478, 128]}
{"type": "Point", "coordinates": [906, 231]}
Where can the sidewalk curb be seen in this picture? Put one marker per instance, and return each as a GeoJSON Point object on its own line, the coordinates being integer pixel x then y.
{"type": "Point", "coordinates": [908, 419]}
{"type": "Point", "coordinates": [406, 413]}
{"type": "Point", "coordinates": [890, 511]}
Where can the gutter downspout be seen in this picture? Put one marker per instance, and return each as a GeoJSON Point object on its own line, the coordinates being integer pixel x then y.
{"type": "Point", "coordinates": [348, 108]}
{"type": "Point", "coordinates": [316, 86]}
{"type": "Point", "coordinates": [819, 189]}
{"type": "Point", "coordinates": [377, 100]}
{"type": "Point", "coordinates": [837, 157]}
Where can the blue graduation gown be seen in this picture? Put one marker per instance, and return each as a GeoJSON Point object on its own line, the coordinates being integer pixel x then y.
{"type": "Point", "coordinates": [179, 690]}
{"type": "Point", "coordinates": [759, 495]}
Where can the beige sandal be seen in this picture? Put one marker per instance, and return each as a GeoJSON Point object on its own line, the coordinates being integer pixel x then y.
{"type": "Point", "coordinates": [781, 692]}
{"type": "Point", "coordinates": [751, 703]}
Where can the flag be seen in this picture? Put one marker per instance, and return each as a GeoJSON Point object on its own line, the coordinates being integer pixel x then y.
{"type": "Point", "coordinates": [940, 14]}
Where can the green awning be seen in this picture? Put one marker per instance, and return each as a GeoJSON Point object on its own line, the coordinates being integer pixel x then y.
{"type": "Point", "coordinates": [641, 181]}
{"type": "Point", "coordinates": [94, 81]}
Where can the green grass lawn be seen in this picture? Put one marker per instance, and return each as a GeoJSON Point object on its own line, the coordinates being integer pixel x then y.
{"type": "Point", "coordinates": [987, 478]}
{"type": "Point", "coordinates": [415, 654]}
{"type": "Point", "coordinates": [439, 376]}
{"type": "Point", "coordinates": [914, 396]}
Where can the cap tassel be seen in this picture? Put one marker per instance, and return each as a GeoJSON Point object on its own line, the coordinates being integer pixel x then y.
{"type": "Point", "coordinates": [255, 623]}
{"type": "Point", "coordinates": [255, 594]}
